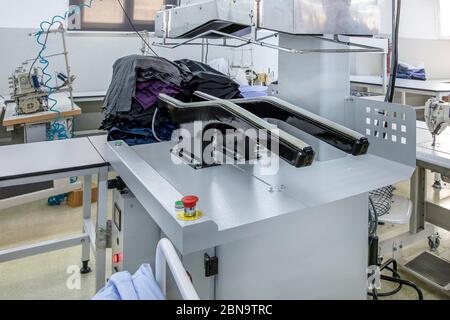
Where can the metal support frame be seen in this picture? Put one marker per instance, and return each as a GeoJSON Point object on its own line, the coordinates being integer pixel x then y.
{"type": "Point", "coordinates": [43, 247]}
{"type": "Point", "coordinates": [90, 236]}
{"type": "Point", "coordinates": [254, 40]}
{"type": "Point", "coordinates": [87, 196]}
{"type": "Point", "coordinates": [428, 210]}
{"type": "Point", "coordinates": [418, 198]}
{"type": "Point", "coordinates": [65, 53]}
{"type": "Point", "coordinates": [101, 228]}
{"type": "Point", "coordinates": [418, 228]}
{"type": "Point", "coordinates": [167, 257]}
{"type": "Point", "coordinates": [426, 215]}
{"type": "Point", "coordinates": [66, 60]}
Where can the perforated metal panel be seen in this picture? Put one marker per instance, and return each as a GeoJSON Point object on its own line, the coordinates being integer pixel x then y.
{"type": "Point", "coordinates": [390, 128]}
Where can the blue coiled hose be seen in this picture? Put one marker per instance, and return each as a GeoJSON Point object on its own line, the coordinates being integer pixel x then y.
{"type": "Point", "coordinates": [57, 130]}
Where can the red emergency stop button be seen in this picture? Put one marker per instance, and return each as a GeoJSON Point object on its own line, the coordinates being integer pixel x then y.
{"type": "Point", "coordinates": [190, 202]}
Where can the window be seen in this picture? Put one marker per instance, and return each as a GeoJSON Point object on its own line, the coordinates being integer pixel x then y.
{"type": "Point", "coordinates": [107, 15]}
{"type": "Point", "coordinates": [444, 18]}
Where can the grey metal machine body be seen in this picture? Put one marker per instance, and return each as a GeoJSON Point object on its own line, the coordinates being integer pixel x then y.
{"type": "Point", "coordinates": [300, 233]}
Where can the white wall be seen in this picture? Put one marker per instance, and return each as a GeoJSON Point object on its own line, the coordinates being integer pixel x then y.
{"type": "Point", "coordinates": [420, 19]}
{"type": "Point", "coordinates": [420, 41]}
{"type": "Point", "coordinates": [29, 13]}
{"type": "Point", "coordinates": [434, 53]}
{"type": "Point", "coordinates": [420, 38]}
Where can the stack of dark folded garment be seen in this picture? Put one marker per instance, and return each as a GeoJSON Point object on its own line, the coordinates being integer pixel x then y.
{"type": "Point", "coordinates": [208, 80]}
{"type": "Point", "coordinates": [137, 81]}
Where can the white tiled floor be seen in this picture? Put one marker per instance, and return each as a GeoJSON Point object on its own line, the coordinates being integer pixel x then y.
{"type": "Point", "coordinates": [45, 276]}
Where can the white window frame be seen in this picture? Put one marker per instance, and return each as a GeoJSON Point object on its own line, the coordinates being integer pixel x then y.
{"type": "Point", "coordinates": [109, 29]}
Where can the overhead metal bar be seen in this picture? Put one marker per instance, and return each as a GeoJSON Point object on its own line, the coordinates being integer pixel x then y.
{"type": "Point", "coordinates": [247, 41]}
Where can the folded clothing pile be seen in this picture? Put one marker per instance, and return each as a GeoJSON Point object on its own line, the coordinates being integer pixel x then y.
{"type": "Point", "coordinates": [412, 72]}
{"type": "Point", "coordinates": [137, 81]}
{"type": "Point", "coordinates": [208, 80]}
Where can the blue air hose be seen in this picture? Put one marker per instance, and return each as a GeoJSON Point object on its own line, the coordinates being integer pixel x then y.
{"type": "Point", "coordinates": [56, 130]}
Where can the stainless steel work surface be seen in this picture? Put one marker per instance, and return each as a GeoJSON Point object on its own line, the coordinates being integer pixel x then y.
{"type": "Point", "coordinates": [228, 196]}
{"type": "Point", "coordinates": [233, 195]}
{"type": "Point", "coordinates": [43, 158]}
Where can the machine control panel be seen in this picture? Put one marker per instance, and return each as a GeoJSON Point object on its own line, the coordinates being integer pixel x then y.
{"type": "Point", "coordinates": [132, 226]}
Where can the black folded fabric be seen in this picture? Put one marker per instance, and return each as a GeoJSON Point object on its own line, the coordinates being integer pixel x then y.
{"type": "Point", "coordinates": [208, 80]}
{"type": "Point", "coordinates": [127, 119]}
{"type": "Point", "coordinates": [130, 69]}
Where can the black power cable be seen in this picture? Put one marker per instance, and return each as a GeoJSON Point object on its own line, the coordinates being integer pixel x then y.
{"type": "Point", "coordinates": [394, 66]}
{"type": "Point", "coordinates": [134, 28]}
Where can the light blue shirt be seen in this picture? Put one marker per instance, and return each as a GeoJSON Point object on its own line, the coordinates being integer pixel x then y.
{"type": "Point", "coordinates": [123, 286]}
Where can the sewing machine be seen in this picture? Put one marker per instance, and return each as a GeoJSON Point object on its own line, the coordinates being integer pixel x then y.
{"type": "Point", "coordinates": [27, 92]}
{"type": "Point", "coordinates": [437, 117]}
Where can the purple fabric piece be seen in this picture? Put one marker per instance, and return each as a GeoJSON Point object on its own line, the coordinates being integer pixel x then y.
{"type": "Point", "coordinates": [253, 91]}
{"type": "Point", "coordinates": [147, 92]}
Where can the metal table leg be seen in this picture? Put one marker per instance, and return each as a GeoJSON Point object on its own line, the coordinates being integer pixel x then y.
{"type": "Point", "coordinates": [418, 198]}
{"type": "Point", "coordinates": [86, 246]}
{"type": "Point", "coordinates": [403, 97]}
{"type": "Point", "coordinates": [101, 229]}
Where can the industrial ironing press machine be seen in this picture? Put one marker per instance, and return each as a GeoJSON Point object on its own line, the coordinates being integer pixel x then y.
{"type": "Point", "coordinates": [256, 229]}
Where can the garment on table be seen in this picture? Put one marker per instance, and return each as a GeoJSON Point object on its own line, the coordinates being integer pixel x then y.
{"type": "Point", "coordinates": [412, 72]}
{"type": "Point", "coordinates": [127, 71]}
{"type": "Point", "coordinates": [124, 286]}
